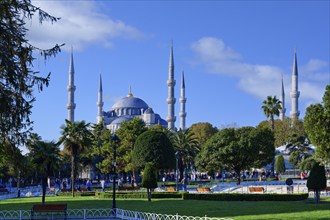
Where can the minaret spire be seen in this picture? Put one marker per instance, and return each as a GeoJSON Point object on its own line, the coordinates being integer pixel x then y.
{"type": "Point", "coordinates": [282, 99]}
{"type": "Point", "coordinates": [183, 101]}
{"type": "Point", "coordinates": [71, 89]}
{"type": "Point", "coordinates": [100, 103]}
{"type": "Point", "coordinates": [130, 94]}
{"type": "Point", "coordinates": [294, 91]}
{"type": "Point", "coordinates": [170, 99]}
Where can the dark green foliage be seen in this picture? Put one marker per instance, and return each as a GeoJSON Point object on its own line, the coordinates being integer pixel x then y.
{"type": "Point", "coordinates": [149, 178]}
{"type": "Point", "coordinates": [153, 146]}
{"type": "Point", "coordinates": [317, 181]}
{"type": "Point", "coordinates": [202, 132]}
{"type": "Point", "coordinates": [76, 194]}
{"type": "Point", "coordinates": [307, 164]}
{"type": "Point", "coordinates": [237, 149]}
{"type": "Point", "coordinates": [76, 138]}
{"type": "Point", "coordinates": [18, 81]}
{"type": "Point", "coordinates": [317, 126]}
{"type": "Point", "coordinates": [139, 195]}
{"type": "Point", "coordinates": [44, 159]}
{"type": "Point", "coordinates": [245, 197]}
{"type": "Point", "coordinates": [271, 107]}
{"type": "Point", "coordinates": [184, 142]}
{"type": "Point", "coordinates": [280, 165]}
{"type": "Point", "coordinates": [128, 133]}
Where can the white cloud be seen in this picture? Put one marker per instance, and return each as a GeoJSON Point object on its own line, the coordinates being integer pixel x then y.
{"type": "Point", "coordinates": [260, 80]}
{"type": "Point", "coordinates": [81, 24]}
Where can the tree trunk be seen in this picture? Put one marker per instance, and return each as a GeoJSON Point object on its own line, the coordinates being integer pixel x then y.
{"type": "Point", "coordinates": [238, 177]}
{"type": "Point", "coordinates": [316, 196]}
{"type": "Point", "coordinates": [73, 169]}
{"type": "Point", "coordinates": [272, 122]}
{"type": "Point", "coordinates": [43, 185]}
{"type": "Point", "coordinates": [18, 184]}
{"type": "Point", "coordinates": [149, 194]}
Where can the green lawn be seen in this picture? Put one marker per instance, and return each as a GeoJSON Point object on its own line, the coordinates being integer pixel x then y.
{"type": "Point", "coordinates": [235, 210]}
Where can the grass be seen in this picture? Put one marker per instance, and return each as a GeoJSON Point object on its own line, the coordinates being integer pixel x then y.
{"type": "Point", "coordinates": [235, 210]}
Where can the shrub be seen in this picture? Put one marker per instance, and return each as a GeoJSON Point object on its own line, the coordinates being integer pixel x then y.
{"type": "Point", "coordinates": [76, 194]}
{"type": "Point", "coordinates": [137, 195]}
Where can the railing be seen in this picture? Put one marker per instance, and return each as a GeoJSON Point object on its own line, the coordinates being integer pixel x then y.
{"type": "Point", "coordinates": [103, 214]}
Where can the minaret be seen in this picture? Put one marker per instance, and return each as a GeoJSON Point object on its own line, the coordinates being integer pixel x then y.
{"type": "Point", "coordinates": [171, 100]}
{"type": "Point", "coordinates": [294, 91]}
{"type": "Point", "coordinates": [282, 99]}
{"type": "Point", "coordinates": [100, 103]}
{"type": "Point", "coordinates": [183, 101]}
{"type": "Point", "coordinates": [71, 88]}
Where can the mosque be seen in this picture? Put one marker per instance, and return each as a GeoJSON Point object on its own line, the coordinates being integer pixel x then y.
{"type": "Point", "coordinates": [129, 107]}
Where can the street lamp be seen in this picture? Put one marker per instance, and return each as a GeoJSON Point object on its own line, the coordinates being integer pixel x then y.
{"type": "Point", "coordinates": [177, 157]}
{"type": "Point", "coordinates": [115, 139]}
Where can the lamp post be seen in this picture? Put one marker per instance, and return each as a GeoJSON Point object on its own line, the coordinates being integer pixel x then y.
{"type": "Point", "coordinates": [115, 139]}
{"type": "Point", "coordinates": [177, 157]}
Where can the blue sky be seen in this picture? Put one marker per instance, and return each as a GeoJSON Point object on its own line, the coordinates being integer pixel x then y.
{"type": "Point", "coordinates": [233, 54]}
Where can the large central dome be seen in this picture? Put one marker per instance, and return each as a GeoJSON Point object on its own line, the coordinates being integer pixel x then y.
{"type": "Point", "coordinates": [130, 102]}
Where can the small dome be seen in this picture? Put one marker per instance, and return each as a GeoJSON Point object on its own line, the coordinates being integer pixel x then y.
{"type": "Point", "coordinates": [149, 111]}
{"type": "Point", "coordinates": [120, 120]}
{"type": "Point", "coordinates": [130, 102]}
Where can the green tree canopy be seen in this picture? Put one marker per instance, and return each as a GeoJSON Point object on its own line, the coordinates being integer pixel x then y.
{"type": "Point", "coordinates": [280, 165]}
{"type": "Point", "coordinates": [317, 181]}
{"type": "Point", "coordinates": [153, 146]}
{"type": "Point", "coordinates": [45, 157]}
{"type": "Point", "coordinates": [271, 107]}
{"type": "Point", "coordinates": [186, 144]}
{"type": "Point", "coordinates": [149, 178]}
{"type": "Point", "coordinates": [307, 164]}
{"type": "Point", "coordinates": [284, 130]}
{"type": "Point", "coordinates": [76, 137]}
{"type": "Point", "coordinates": [128, 133]}
{"type": "Point", "coordinates": [202, 132]}
{"type": "Point", "coordinates": [237, 149]}
{"type": "Point", "coordinates": [18, 80]}
{"type": "Point", "coordinates": [317, 126]}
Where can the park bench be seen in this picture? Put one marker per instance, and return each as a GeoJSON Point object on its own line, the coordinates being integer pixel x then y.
{"type": "Point", "coordinates": [257, 189]}
{"type": "Point", "coordinates": [3, 190]}
{"type": "Point", "coordinates": [49, 209]}
{"type": "Point", "coordinates": [170, 189]}
{"type": "Point", "coordinates": [203, 189]}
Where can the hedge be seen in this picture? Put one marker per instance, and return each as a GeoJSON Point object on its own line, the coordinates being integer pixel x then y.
{"type": "Point", "coordinates": [141, 195]}
{"type": "Point", "coordinates": [245, 197]}
{"type": "Point", "coordinates": [76, 194]}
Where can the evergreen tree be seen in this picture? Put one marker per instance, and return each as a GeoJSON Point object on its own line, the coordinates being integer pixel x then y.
{"type": "Point", "coordinates": [280, 165]}
{"type": "Point", "coordinates": [153, 146]}
{"type": "Point", "coordinates": [317, 181]}
{"type": "Point", "coordinates": [149, 178]}
{"type": "Point", "coordinates": [18, 80]}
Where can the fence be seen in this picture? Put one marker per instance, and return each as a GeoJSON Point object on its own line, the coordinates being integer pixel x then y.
{"type": "Point", "coordinates": [103, 214]}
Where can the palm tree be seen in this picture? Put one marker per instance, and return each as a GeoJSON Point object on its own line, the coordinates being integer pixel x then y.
{"type": "Point", "coordinates": [76, 136]}
{"type": "Point", "coordinates": [44, 157]}
{"type": "Point", "coordinates": [271, 107]}
{"type": "Point", "coordinates": [186, 144]}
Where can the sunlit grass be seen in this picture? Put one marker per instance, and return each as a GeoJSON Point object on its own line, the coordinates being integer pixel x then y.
{"type": "Point", "coordinates": [236, 210]}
